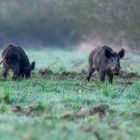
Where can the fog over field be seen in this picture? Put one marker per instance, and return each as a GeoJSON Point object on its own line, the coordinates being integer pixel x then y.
{"type": "Point", "coordinates": [64, 23]}
{"type": "Point", "coordinates": [51, 88]}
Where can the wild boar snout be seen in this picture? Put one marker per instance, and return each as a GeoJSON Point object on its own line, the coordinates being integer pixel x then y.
{"type": "Point", "coordinates": [115, 68]}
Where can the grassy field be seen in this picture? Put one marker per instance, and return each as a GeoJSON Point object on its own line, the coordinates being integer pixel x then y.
{"type": "Point", "coordinates": [62, 105]}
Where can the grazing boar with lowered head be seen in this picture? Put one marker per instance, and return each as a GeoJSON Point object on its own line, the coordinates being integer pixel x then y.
{"type": "Point", "coordinates": [106, 62]}
{"type": "Point", "coordinates": [16, 59]}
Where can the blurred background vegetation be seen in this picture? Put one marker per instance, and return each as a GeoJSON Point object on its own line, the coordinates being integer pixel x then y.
{"type": "Point", "coordinates": [67, 22]}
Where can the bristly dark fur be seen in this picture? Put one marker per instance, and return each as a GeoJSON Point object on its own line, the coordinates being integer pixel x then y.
{"type": "Point", "coordinates": [105, 61]}
{"type": "Point", "coordinates": [16, 59]}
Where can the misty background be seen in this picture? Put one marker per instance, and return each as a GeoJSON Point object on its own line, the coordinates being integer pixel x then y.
{"type": "Point", "coordinates": [67, 23]}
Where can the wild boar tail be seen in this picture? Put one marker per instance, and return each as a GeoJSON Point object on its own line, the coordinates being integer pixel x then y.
{"type": "Point", "coordinates": [2, 60]}
{"type": "Point", "coordinates": [32, 65]}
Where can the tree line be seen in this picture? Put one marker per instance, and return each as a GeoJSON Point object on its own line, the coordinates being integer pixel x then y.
{"type": "Point", "coordinates": [64, 23]}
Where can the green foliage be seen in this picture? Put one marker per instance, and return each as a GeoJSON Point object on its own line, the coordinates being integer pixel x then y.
{"type": "Point", "coordinates": [104, 89]}
{"type": "Point", "coordinates": [6, 95]}
{"type": "Point", "coordinates": [63, 105]}
{"type": "Point", "coordinates": [136, 87]}
{"type": "Point", "coordinates": [3, 107]}
{"type": "Point", "coordinates": [39, 106]}
{"type": "Point", "coordinates": [62, 69]}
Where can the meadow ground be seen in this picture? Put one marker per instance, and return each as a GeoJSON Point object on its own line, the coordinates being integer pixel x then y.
{"type": "Point", "coordinates": [62, 105]}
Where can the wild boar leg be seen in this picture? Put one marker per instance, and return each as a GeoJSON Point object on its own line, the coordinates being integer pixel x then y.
{"type": "Point", "coordinates": [110, 78]}
{"type": "Point", "coordinates": [5, 72]}
{"type": "Point", "coordinates": [16, 71]}
{"type": "Point", "coordinates": [91, 70]}
{"type": "Point", "coordinates": [102, 75]}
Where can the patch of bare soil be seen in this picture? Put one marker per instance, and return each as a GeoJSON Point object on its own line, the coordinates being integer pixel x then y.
{"type": "Point", "coordinates": [65, 75]}
{"type": "Point", "coordinates": [100, 110]}
{"type": "Point", "coordinates": [125, 82]}
{"type": "Point", "coordinates": [44, 71]}
{"type": "Point", "coordinates": [85, 112]}
{"type": "Point", "coordinates": [30, 110]}
{"type": "Point", "coordinates": [130, 75]}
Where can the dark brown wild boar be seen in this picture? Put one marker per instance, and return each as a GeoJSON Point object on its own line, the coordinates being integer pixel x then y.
{"type": "Point", "coordinates": [16, 59]}
{"type": "Point", "coordinates": [105, 61]}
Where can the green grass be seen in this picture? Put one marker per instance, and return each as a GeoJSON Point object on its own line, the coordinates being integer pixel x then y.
{"type": "Point", "coordinates": [60, 106]}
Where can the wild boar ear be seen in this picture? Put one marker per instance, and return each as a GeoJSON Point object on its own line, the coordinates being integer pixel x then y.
{"type": "Point", "coordinates": [32, 66]}
{"type": "Point", "coordinates": [108, 53]}
{"type": "Point", "coordinates": [121, 53]}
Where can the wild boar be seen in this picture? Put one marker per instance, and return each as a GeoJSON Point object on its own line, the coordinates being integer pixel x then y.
{"type": "Point", "coordinates": [16, 59]}
{"type": "Point", "coordinates": [106, 62]}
